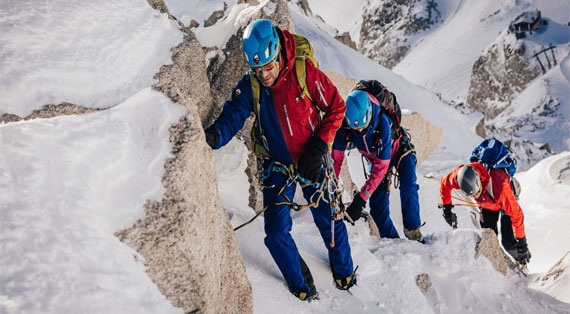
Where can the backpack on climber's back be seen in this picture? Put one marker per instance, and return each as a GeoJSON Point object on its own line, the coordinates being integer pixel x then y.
{"type": "Point", "coordinates": [387, 100]}
{"type": "Point", "coordinates": [492, 153]}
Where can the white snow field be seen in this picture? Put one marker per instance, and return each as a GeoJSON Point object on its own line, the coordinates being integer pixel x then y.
{"type": "Point", "coordinates": [89, 53]}
{"type": "Point", "coordinates": [67, 184]}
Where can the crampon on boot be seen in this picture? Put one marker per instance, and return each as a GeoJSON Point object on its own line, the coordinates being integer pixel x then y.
{"type": "Point", "coordinates": [309, 281]}
{"type": "Point", "coordinates": [346, 283]}
{"type": "Point", "coordinates": [415, 235]}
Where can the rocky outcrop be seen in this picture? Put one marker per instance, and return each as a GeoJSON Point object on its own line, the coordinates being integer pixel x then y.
{"type": "Point", "coordinates": [185, 80]}
{"type": "Point", "coordinates": [50, 111]}
{"type": "Point", "coordinates": [425, 135]}
{"type": "Point", "coordinates": [488, 246]}
{"type": "Point", "coordinates": [186, 239]}
{"type": "Point", "coordinates": [387, 26]}
{"type": "Point", "coordinates": [498, 76]}
{"type": "Point", "coordinates": [346, 40]}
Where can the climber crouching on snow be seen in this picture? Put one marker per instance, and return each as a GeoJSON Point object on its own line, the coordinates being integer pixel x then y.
{"type": "Point", "coordinates": [292, 139]}
{"type": "Point", "coordinates": [372, 125]}
{"type": "Point", "coordinates": [491, 189]}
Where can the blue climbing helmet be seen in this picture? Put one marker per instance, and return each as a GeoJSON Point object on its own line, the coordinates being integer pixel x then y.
{"type": "Point", "coordinates": [260, 43]}
{"type": "Point", "coordinates": [358, 109]}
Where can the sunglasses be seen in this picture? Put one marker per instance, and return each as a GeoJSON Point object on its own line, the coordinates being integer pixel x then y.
{"type": "Point", "coordinates": [268, 67]}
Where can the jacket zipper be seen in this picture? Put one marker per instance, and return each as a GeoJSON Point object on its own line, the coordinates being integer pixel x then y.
{"type": "Point", "coordinates": [309, 118]}
{"type": "Point", "coordinates": [365, 144]}
{"type": "Point", "coordinates": [321, 93]}
{"type": "Point", "coordinates": [288, 123]}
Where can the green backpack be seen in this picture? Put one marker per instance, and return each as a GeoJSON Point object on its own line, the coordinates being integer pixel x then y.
{"type": "Point", "coordinates": [304, 51]}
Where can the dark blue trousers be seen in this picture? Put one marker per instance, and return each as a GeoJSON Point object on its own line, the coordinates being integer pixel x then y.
{"type": "Point", "coordinates": [380, 200]}
{"type": "Point", "coordinates": [278, 239]}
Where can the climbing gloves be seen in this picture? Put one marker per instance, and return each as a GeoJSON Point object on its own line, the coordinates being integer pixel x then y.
{"type": "Point", "coordinates": [449, 216]}
{"type": "Point", "coordinates": [519, 251]}
{"type": "Point", "coordinates": [310, 163]}
{"type": "Point", "coordinates": [354, 210]}
{"type": "Point", "coordinates": [212, 136]}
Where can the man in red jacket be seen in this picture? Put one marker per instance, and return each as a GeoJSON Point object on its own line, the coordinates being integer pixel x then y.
{"type": "Point", "coordinates": [293, 130]}
{"type": "Point", "coordinates": [492, 191]}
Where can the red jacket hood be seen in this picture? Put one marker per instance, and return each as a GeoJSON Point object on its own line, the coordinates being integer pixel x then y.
{"type": "Point", "coordinates": [288, 52]}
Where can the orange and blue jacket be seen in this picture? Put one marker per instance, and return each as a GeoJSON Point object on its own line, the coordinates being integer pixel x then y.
{"type": "Point", "coordinates": [503, 196]}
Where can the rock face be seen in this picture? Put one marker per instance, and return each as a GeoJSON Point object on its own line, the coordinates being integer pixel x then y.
{"type": "Point", "coordinates": [498, 75]}
{"type": "Point", "coordinates": [488, 246]}
{"type": "Point", "coordinates": [425, 135]}
{"type": "Point", "coordinates": [185, 81]}
{"type": "Point", "coordinates": [49, 111]}
{"type": "Point", "coordinates": [187, 241]}
{"type": "Point", "coordinates": [387, 26]}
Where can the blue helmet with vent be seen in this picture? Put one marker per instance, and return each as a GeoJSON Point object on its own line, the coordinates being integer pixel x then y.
{"type": "Point", "coordinates": [260, 43]}
{"type": "Point", "coordinates": [358, 109]}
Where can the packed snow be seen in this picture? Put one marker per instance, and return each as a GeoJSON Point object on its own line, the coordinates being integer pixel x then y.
{"type": "Point", "coordinates": [67, 184]}
{"type": "Point", "coordinates": [94, 54]}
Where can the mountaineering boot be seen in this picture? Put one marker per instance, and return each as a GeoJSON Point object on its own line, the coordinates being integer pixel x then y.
{"type": "Point", "coordinates": [415, 234]}
{"type": "Point", "coordinates": [309, 281]}
{"type": "Point", "coordinates": [307, 296]}
{"type": "Point", "coordinates": [346, 283]}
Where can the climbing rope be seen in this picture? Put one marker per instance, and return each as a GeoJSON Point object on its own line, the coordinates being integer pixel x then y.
{"type": "Point", "coordinates": [328, 185]}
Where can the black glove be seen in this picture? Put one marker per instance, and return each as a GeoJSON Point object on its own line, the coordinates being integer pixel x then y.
{"type": "Point", "coordinates": [354, 210]}
{"type": "Point", "coordinates": [450, 217]}
{"type": "Point", "coordinates": [520, 251]}
{"type": "Point", "coordinates": [310, 163]}
{"type": "Point", "coordinates": [212, 136]}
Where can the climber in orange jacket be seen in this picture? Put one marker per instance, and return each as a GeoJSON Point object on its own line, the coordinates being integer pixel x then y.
{"type": "Point", "coordinates": [492, 191]}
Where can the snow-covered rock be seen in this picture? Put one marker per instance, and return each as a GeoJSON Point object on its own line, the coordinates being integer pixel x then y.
{"type": "Point", "coordinates": [556, 281]}
{"type": "Point", "coordinates": [390, 28]}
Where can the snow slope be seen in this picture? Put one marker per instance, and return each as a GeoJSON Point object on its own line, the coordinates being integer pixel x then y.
{"type": "Point", "coordinates": [93, 54]}
{"type": "Point", "coordinates": [544, 199]}
{"type": "Point", "coordinates": [387, 268]}
{"type": "Point", "coordinates": [67, 184]}
{"type": "Point", "coordinates": [443, 60]}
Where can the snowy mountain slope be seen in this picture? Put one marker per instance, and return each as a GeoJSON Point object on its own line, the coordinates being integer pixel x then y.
{"type": "Point", "coordinates": [544, 199]}
{"type": "Point", "coordinates": [93, 54]}
{"type": "Point", "coordinates": [67, 184]}
{"type": "Point", "coordinates": [442, 61]}
{"type": "Point", "coordinates": [340, 16]}
{"type": "Point", "coordinates": [111, 161]}
{"type": "Point", "coordinates": [541, 112]}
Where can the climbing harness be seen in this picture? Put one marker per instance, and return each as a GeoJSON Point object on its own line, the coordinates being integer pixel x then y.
{"type": "Point", "coordinates": [328, 186]}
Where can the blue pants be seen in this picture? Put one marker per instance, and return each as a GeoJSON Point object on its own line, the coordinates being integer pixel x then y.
{"type": "Point", "coordinates": [278, 239]}
{"type": "Point", "coordinates": [380, 200]}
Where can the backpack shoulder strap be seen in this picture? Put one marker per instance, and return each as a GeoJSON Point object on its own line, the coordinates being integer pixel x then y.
{"type": "Point", "coordinates": [301, 71]}
{"type": "Point", "coordinates": [256, 131]}
{"type": "Point", "coordinates": [255, 90]}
